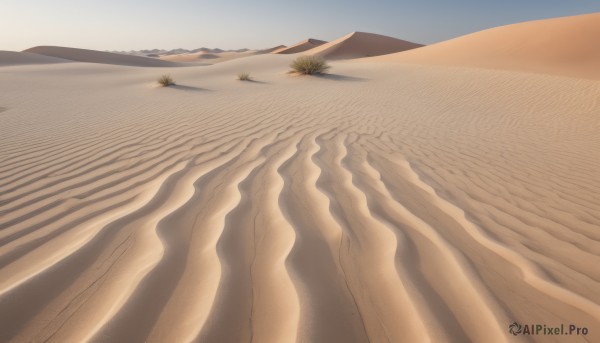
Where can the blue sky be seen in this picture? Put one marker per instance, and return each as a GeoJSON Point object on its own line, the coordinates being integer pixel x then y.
{"type": "Point", "coordinates": [147, 24]}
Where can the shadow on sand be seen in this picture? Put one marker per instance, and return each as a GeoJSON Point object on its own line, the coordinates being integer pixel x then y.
{"type": "Point", "coordinates": [189, 88]}
{"type": "Point", "coordinates": [337, 77]}
{"type": "Point", "coordinates": [257, 82]}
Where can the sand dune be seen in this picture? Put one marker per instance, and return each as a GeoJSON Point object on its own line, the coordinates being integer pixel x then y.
{"type": "Point", "coordinates": [8, 58]}
{"type": "Point", "coordinates": [190, 57]}
{"type": "Point", "coordinates": [563, 46]}
{"type": "Point", "coordinates": [300, 46]}
{"type": "Point", "coordinates": [208, 57]}
{"type": "Point", "coordinates": [385, 202]}
{"type": "Point", "coordinates": [361, 44]}
{"type": "Point", "coordinates": [93, 56]}
{"type": "Point", "coordinates": [270, 50]}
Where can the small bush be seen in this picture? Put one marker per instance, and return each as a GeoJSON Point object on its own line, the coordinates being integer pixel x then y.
{"type": "Point", "coordinates": [166, 80]}
{"type": "Point", "coordinates": [309, 65]}
{"type": "Point", "coordinates": [244, 77]}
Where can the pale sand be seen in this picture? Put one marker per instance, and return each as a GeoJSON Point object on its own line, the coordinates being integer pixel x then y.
{"type": "Point", "coordinates": [361, 44]}
{"type": "Point", "coordinates": [304, 45]}
{"type": "Point", "coordinates": [384, 202]}
{"type": "Point", "coordinates": [10, 58]}
{"type": "Point", "coordinates": [209, 57]}
{"type": "Point", "coordinates": [564, 46]}
{"type": "Point", "coordinates": [270, 50]}
{"type": "Point", "coordinates": [93, 56]}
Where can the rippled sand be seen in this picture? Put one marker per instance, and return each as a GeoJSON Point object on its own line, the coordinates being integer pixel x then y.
{"type": "Point", "coordinates": [383, 203]}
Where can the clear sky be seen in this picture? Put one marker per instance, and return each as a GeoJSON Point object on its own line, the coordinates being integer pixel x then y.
{"type": "Point", "coordinates": [168, 24]}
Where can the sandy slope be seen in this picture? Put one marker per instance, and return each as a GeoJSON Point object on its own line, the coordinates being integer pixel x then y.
{"type": "Point", "coordinates": [273, 49]}
{"type": "Point", "coordinates": [208, 57]}
{"type": "Point", "coordinates": [193, 57]}
{"type": "Point", "coordinates": [383, 203]}
{"type": "Point", "coordinates": [9, 58]}
{"type": "Point", "coordinates": [361, 44]}
{"type": "Point", "coordinates": [93, 56]}
{"type": "Point", "coordinates": [563, 46]}
{"type": "Point", "coordinates": [304, 45]}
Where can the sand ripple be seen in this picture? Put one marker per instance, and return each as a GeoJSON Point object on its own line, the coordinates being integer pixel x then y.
{"type": "Point", "coordinates": [437, 204]}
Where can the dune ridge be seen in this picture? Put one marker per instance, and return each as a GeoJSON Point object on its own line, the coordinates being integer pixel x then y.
{"type": "Point", "coordinates": [561, 46]}
{"type": "Point", "coordinates": [270, 50]}
{"type": "Point", "coordinates": [9, 58]}
{"type": "Point", "coordinates": [386, 202]}
{"type": "Point", "coordinates": [361, 44]}
{"type": "Point", "coordinates": [304, 45]}
{"type": "Point", "coordinates": [207, 57]}
{"type": "Point", "coordinates": [102, 57]}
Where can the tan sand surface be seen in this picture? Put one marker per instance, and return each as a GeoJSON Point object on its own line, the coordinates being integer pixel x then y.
{"type": "Point", "coordinates": [384, 202]}
{"type": "Point", "coordinates": [563, 46]}
{"type": "Point", "coordinates": [304, 45]}
{"type": "Point", "coordinates": [93, 56]}
{"type": "Point", "coordinates": [209, 57]}
{"type": "Point", "coordinates": [361, 44]}
{"type": "Point", "coordinates": [212, 57]}
{"type": "Point", "coordinates": [270, 50]}
{"type": "Point", "coordinates": [9, 58]}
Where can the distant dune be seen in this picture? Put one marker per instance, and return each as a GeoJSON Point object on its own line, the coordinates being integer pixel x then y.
{"type": "Point", "coordinates": [361, 44]}
{"type": "Point", "coordinates": [208, 57]}
{"type": "Point", "coordinates": [189, 57]}
{"type": "Point", "coordinates": [8, 58]}
{"type": "Point", "coordinates": [267, 51]}
{"type": "Point", "coordinates": [300, 46]}
{"type": "Point", "coordinates": [177, 51]}
{"type": "Point", "coordinates": [565, 46]}
{"type": "Point", "coordinates": [93, 56]}
{"type": "Point", "coordinates": [213, 56]}
{"type": "Point", "coordinates": [275, 51]}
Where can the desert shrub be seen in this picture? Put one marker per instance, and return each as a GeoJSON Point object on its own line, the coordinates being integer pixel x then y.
{"type": "Point", "coordinates": [309, 65]}
{"type": "Point", "coordinates": [166, 80]}
{"type": "Point", "coordinates": [244, 77]}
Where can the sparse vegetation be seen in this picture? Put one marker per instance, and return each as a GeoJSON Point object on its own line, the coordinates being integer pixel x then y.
{"type": "Point", "coordinates": [166, 80]}
{"type": "Point", "coordinates": [244, 77]}
{"type": "Point", "coordinates": [309, 65]}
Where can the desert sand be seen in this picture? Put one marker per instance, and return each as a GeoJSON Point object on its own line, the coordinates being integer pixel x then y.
{"type": "Point", "coordinates": [209, 57]}
{"type": "Point", "coordinates": [361, 44]}
{"type": "Point", "coordinates": [564, 46]}
{"type": "Point", "coordinates": [302, 46]}
{"type": "Point", "coordinates": [385, 202]}
{"type": "Point", "coordinates": [212, 56]}
{"type": "Point", "coordinates": [9, 58]}
{"type": "Point", "coordinates": [91, 56]}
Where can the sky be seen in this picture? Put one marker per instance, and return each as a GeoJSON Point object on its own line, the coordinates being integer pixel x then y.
{"type": "Point", "coordinates": [256, 24]}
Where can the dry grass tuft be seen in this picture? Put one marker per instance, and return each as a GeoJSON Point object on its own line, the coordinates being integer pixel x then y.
{"type": "Point", "coordinates": [244, 77]}
{"type": "Point", "coordinates": [309, 65]}
{"type": "Point", "coordinates": [166, 80]}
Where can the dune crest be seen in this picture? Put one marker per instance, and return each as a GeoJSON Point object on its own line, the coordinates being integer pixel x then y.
{"type": "Point", "coordinates": [9, 58]}
{"type": "Point", "coordinates": [361, 44]}
{"type": "Point", "coordinates": [304, 45]}
{"type": "Point", "coordinates": [562, 46]}
{"type": "Point", "coordinates": [102, 57]}
{"type": "Point", "coordinates": [270, 50]}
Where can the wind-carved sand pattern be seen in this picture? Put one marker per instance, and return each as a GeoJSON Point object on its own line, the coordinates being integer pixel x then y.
{"type": "Point", "coordinates": [425, 204]}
